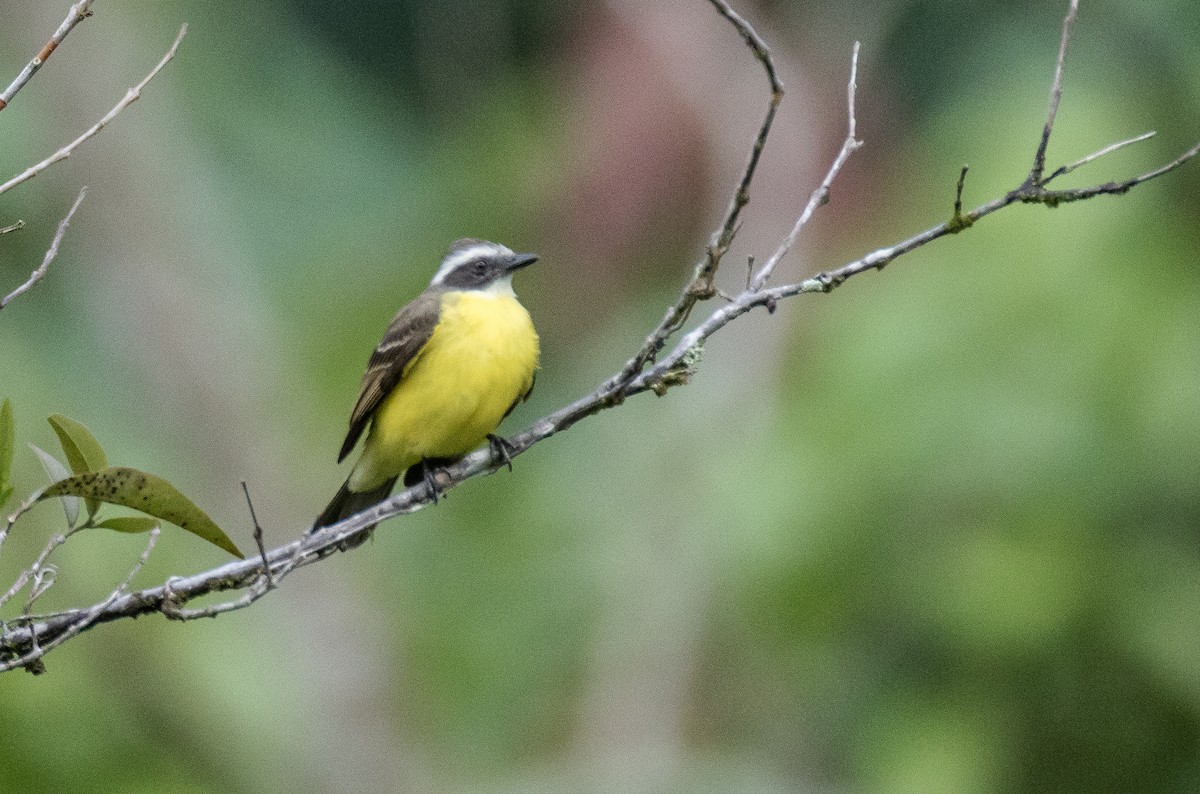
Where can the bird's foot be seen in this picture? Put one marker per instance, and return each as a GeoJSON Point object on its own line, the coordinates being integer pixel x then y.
{"type": "Point", "coordinates": [501, 449]}
{"type": "Point", "coordinates": [429, 475]}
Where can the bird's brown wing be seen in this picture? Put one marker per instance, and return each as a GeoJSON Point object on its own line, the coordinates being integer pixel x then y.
{"type": "Point", "coordinates": [400, 347]}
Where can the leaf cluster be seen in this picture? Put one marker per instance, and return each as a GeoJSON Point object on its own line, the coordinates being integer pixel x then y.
{"type": "Point", "coordinates": [88, 478]}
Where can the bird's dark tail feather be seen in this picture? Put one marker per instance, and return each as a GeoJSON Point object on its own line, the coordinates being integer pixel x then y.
{"type": "Point", "coordinates": [346, 503]}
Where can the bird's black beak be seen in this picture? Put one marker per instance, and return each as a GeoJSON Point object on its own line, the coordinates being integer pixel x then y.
{"type": "Point", "coordinates": [518, 261]}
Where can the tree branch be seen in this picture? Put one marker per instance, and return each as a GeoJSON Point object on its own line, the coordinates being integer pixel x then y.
{"type": "Point", "coordinates": [700, 286]}
{"type": "Point", "coordinates": [820, 196]}
{"type": "Point", "coordinates": [51, 253]}
{"type": "Point", "coordinates": [647, 370]}
{"type": "Point", "coordinates": [130, 97]}
{"type": "Point", "coordinates": [1039, 157]}
{"type": "Point", "coordinates": [1112, 147]}
{"type": "Point", "coordinates": [78, 12]}
{"type": "Point", "coordinates": [84, 619]}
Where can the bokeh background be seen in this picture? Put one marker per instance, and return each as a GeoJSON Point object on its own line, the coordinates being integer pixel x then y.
{"type": "Point", "coordinates": [937, 531]}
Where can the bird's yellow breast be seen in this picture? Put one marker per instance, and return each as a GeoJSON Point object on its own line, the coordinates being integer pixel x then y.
{"type": "Point", "coordinates": [479, 360]}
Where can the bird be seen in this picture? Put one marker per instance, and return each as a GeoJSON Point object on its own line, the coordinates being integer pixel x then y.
{"type": "Point", "coordinates": [451, 366]}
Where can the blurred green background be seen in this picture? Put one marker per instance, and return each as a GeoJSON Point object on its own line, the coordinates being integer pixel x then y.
{"type": "Point", "coordinates": [934, 532]}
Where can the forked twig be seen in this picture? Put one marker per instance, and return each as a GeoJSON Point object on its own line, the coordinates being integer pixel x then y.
{"type": "Point", "coordinates": [80, 620]}
{"type": "Point", "coordinates": [820, 196]}
{"type": "Point", "coordinates": [78, 12]}
{"type": "Point", "coordinates": [700, 286]}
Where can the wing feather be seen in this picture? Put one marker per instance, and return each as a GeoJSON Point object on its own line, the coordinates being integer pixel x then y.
{"type": "Point", "coordinates": [399, 348]}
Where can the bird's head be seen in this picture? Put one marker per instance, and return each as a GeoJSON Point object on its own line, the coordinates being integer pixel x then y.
{"type": "Point", "coordinates": [479, 265]}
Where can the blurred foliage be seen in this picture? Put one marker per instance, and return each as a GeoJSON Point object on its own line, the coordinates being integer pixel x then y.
{"type": "Point", "coordinates": [939, 533]}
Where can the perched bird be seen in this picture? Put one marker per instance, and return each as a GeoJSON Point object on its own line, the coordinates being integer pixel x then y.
{"type": "Point", "coordinates": [450, 367]}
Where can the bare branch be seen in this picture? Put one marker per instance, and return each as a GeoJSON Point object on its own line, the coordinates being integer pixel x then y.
{"type": "Point", "coordinates": [12, 227]}
{"type": "Point", "coordinates": [1053, 198]}
{"type": "Point", "coordinates": [1112, 147]}
{"type": "Point", "coordinates": [700, 286]}
{"type": "Point", "coordinates": [78, 12]}
{"type": "Point", "coordinates": [130, 97]}
{"type": "Point", "coordinates": [34, 573]}
{"type": "Point", "coordinates": [258, 537]}
{"type": "Point", "coordinates": [84, 620]}
{"type": "Point", "coordinates": [1039, 157]}
{"type": "Point", "coordinates": [29, 637]}
{"type": "Point", "coordinates": [820, 196]}
{"type": "Point", "coordinates": [51, 253]}
{"type": "Point", "coordinates": [957, 218]}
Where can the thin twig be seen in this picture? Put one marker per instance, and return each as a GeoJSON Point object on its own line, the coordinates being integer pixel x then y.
{"type": "Point", "coordinates": [958, 190]}
{"type": "Point", "coordinates": [130, 97]}
{"type": "Point", "coordinates": [51, 253]}
{"type": "Point", "coordinates": [958, 221]}
{"type": "Point", "coordinates": [1039, 157]}
{"type": "Point", "coordinates": [13, 227]}
{"type": "Point", "coordinates": [700, 286]}
{"type": "Point", "coordinates": [175, 612]}
{"type": "Point", "coordinates": [77, 13]}
{"type": "Point", "coordinates": [258, 537]}
{"type": "Point", "coordinates": [1112, 147]}
{"type": "Point", "coordinates": [30, 502]}
{"type": "Point", "coordinates": [34, 571]}
{"type": "Point", "coordinates": [84, 621]}
{"type": "Point", "coordinates": [820, 196]}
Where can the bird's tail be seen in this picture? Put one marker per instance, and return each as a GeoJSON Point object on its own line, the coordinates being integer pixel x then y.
{"type": "Point", "coordinates": [346, 503]}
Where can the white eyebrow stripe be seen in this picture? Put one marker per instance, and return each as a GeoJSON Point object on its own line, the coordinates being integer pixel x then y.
{"type": "Point", "coordinates": [466, 255]}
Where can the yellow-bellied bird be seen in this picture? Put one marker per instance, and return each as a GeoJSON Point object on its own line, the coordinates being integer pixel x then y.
{"type": "Point", "coordinates": [451, 366]}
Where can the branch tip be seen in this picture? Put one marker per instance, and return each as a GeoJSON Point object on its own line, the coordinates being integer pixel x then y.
{"type": "Point", "coordinates": [51, 253]}
{"type": "Point", "coordinates": [76, 14]}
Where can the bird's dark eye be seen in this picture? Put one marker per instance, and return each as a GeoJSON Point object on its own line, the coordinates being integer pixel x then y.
{"type": "Point", "coordinates": [479, 266]}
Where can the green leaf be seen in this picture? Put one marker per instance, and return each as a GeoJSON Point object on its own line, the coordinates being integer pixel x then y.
{"type": "Point", "coordinates": [6, 450]}
{"type": "Point", "coordinates": [152, 495]}
{"type": "Point", "coordinates": [83, 451]}
{"type": "Point", "coordinates": [58, 472]}
{"type": "Point", "coordinates": [131, 524]}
